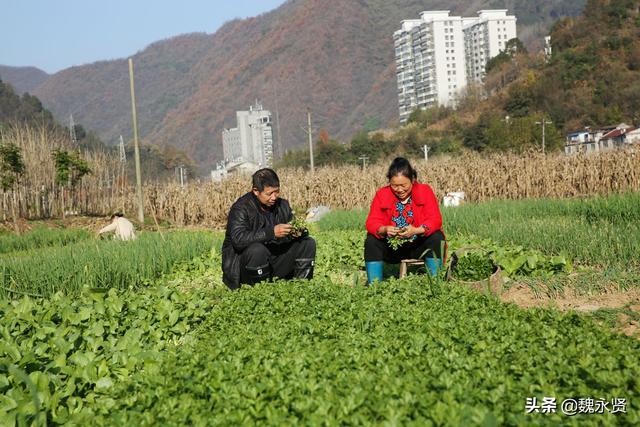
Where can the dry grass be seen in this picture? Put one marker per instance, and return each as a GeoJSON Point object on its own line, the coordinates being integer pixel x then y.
{"type": "Point", "coordinates": [499, 176]}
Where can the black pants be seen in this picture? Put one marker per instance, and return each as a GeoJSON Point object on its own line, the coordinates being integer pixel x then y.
{"type": "Point", "coordinates": [280, 259]}
{"type": "Point", "coordinates": [379, 250]}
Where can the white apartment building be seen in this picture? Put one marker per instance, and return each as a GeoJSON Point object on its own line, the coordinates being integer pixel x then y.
{"type": "Point", "coordinates": [433, 54]}
{"type": "Point", "coordinates": [252, 139]}
{"type": "Point", "coordinates": [430, 61]}
{"type": "Point", "coordinates": [485, 37]}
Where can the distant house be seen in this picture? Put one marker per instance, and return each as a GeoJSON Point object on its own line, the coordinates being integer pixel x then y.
{"type": "Point", "coordinates": [219, 174]}
{"type": "Point", "coordinates": [614, 139]}
{"type": "Point", "coordinates": [633, 136]}
{"type": "Point", "coordinates": [242, 168]}
{"type": "Point", "coordinates": [604, 138]}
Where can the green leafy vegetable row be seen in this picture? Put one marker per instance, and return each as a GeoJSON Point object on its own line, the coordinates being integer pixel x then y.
{"type": "Point", "coordinates": [288, 353]}
{"type": "Point", "coordinates": [99, 264]}
{"type": "Point", "coordinates": [41, 237]}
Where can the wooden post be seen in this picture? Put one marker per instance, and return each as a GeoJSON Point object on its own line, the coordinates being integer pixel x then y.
{"type": "Point", "coordinates": [136, 147]}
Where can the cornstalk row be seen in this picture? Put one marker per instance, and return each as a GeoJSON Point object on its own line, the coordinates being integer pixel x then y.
{"type": "Point", "coordinates": [497, 176]}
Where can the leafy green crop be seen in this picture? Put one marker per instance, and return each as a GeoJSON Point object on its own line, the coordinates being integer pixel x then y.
{"type": "Point", "coordinates": [473, 266]}
{"type": "Point", "coordinates": [300, 227]}
{"type": "Point", "coordinates": [186, 351]}
{"type": "Point", "coordinates": [61, 358]}
{"type": "Point", "coordinates": [512, 260]}
{"type": "Point", "coordinates": [324, 353]}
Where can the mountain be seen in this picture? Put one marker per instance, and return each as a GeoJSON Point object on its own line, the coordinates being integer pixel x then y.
{"type": "Point", "coordinates": [23, 79]}
{"type": "Point", "coordinates": [334, 57]}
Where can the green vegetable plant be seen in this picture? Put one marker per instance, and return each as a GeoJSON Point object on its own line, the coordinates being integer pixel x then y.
{"type": "Point", "coordinates": [396, 241]}
{"type": "Point", "coordinates": [473, 265]}
{"type": "Point", "coordinates": [300, 227]}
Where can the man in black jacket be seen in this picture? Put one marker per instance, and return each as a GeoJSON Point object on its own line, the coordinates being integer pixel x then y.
{"type": "Point", "coordinates": [257, 244]}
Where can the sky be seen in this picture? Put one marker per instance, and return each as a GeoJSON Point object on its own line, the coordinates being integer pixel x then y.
{"type": "Point", "coordinates": [57, 34]}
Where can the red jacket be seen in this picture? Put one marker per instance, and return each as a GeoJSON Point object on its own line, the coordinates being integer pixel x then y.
{"type": "Point", "coordinates": [425, 209]}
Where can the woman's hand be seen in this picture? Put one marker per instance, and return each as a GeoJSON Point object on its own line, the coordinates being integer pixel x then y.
{"type": "Point", "coordinates": [388, 230]}
{"type": "Point", "coordinates": [410, 231]}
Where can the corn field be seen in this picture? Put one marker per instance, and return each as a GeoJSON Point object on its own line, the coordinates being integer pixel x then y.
{"type": "Point", "coordinates": [37, 195]}
{"type": "Point", "coordinates": [482, 177]}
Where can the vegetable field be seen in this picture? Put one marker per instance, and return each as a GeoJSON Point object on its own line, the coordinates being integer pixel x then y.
{"type": "Point", "coordinates": [169, 345]}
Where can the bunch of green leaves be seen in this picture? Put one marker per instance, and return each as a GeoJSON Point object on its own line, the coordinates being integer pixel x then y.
{"type": "Point", "coordinates": [396, 241]}
{"type": "Point", "coordinates": [300, 227]}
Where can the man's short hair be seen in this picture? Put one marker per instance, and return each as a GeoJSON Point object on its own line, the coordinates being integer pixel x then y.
{"type": "Point", "coordinates": [265, 178]}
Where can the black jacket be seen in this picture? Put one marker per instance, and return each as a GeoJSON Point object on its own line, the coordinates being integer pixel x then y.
{"type": "Point", "coordinates": [247, 224]}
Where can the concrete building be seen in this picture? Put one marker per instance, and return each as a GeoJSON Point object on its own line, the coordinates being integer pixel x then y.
{"type": "Point", "coordinates": [435, 54]}
{"type": "Point", "coordinates": [252, 140]}
{"type": "Point", "coordinates": [485, 37]}
{"type": "Point", "coordinates": [429, 61]}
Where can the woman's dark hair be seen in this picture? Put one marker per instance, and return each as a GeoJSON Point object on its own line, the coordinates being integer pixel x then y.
{"type": "Point", "coordinates": [117, 214]}
{"type": "Point", "coordinates": [265, 178]}
{"type": "Point", "coordinates": [401, 166]}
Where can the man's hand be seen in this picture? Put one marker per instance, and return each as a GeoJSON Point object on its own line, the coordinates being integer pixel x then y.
{"type": "Point", "coordinates": [410, 231]}
{"type": "Point", "coordinates": [282, 230]}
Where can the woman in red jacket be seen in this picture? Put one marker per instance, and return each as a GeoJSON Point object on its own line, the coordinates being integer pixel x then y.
{"type": "Point", "coordinates": [406, 209]}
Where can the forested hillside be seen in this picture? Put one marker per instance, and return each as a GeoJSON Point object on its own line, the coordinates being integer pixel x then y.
{"type": "Point", "coordinates": [591, 78]}
{"type": "Point", "coordinates": [332, 56]}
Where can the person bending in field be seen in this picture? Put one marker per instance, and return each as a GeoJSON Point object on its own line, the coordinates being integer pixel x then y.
{"type": "Point", "coordinates": [258, 244]}
{"type": "Point", "coordinates": [404, 222]}
{"type": "Point", "coordinates": [122, 228]}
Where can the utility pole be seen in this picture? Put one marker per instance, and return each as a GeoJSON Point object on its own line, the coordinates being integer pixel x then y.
{"type": "Point", "coordinates": [364, 161]}
{"type": "Point", "coordinates": [72, 131]}
{"type": "Point", "coordinates": [310, 140]}
{"type": "Point", "coordinates": [279, 143]}
{"type": "Point", "coordinates": [543, 122]}
{"type": "Point", "coordinates": [426, 149]}
{"type": "Point", "coordinates": [136, 151]}
{"type": "Point", "coordinates": [181, 172]}
{"type": "Point", "coordinates": [123, 169]}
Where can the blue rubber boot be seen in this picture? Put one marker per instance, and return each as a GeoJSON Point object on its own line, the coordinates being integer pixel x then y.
{"type": "Point", "coordinates": [374, 271]}
{"type": "Point", "coordinates": [433, 265]}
